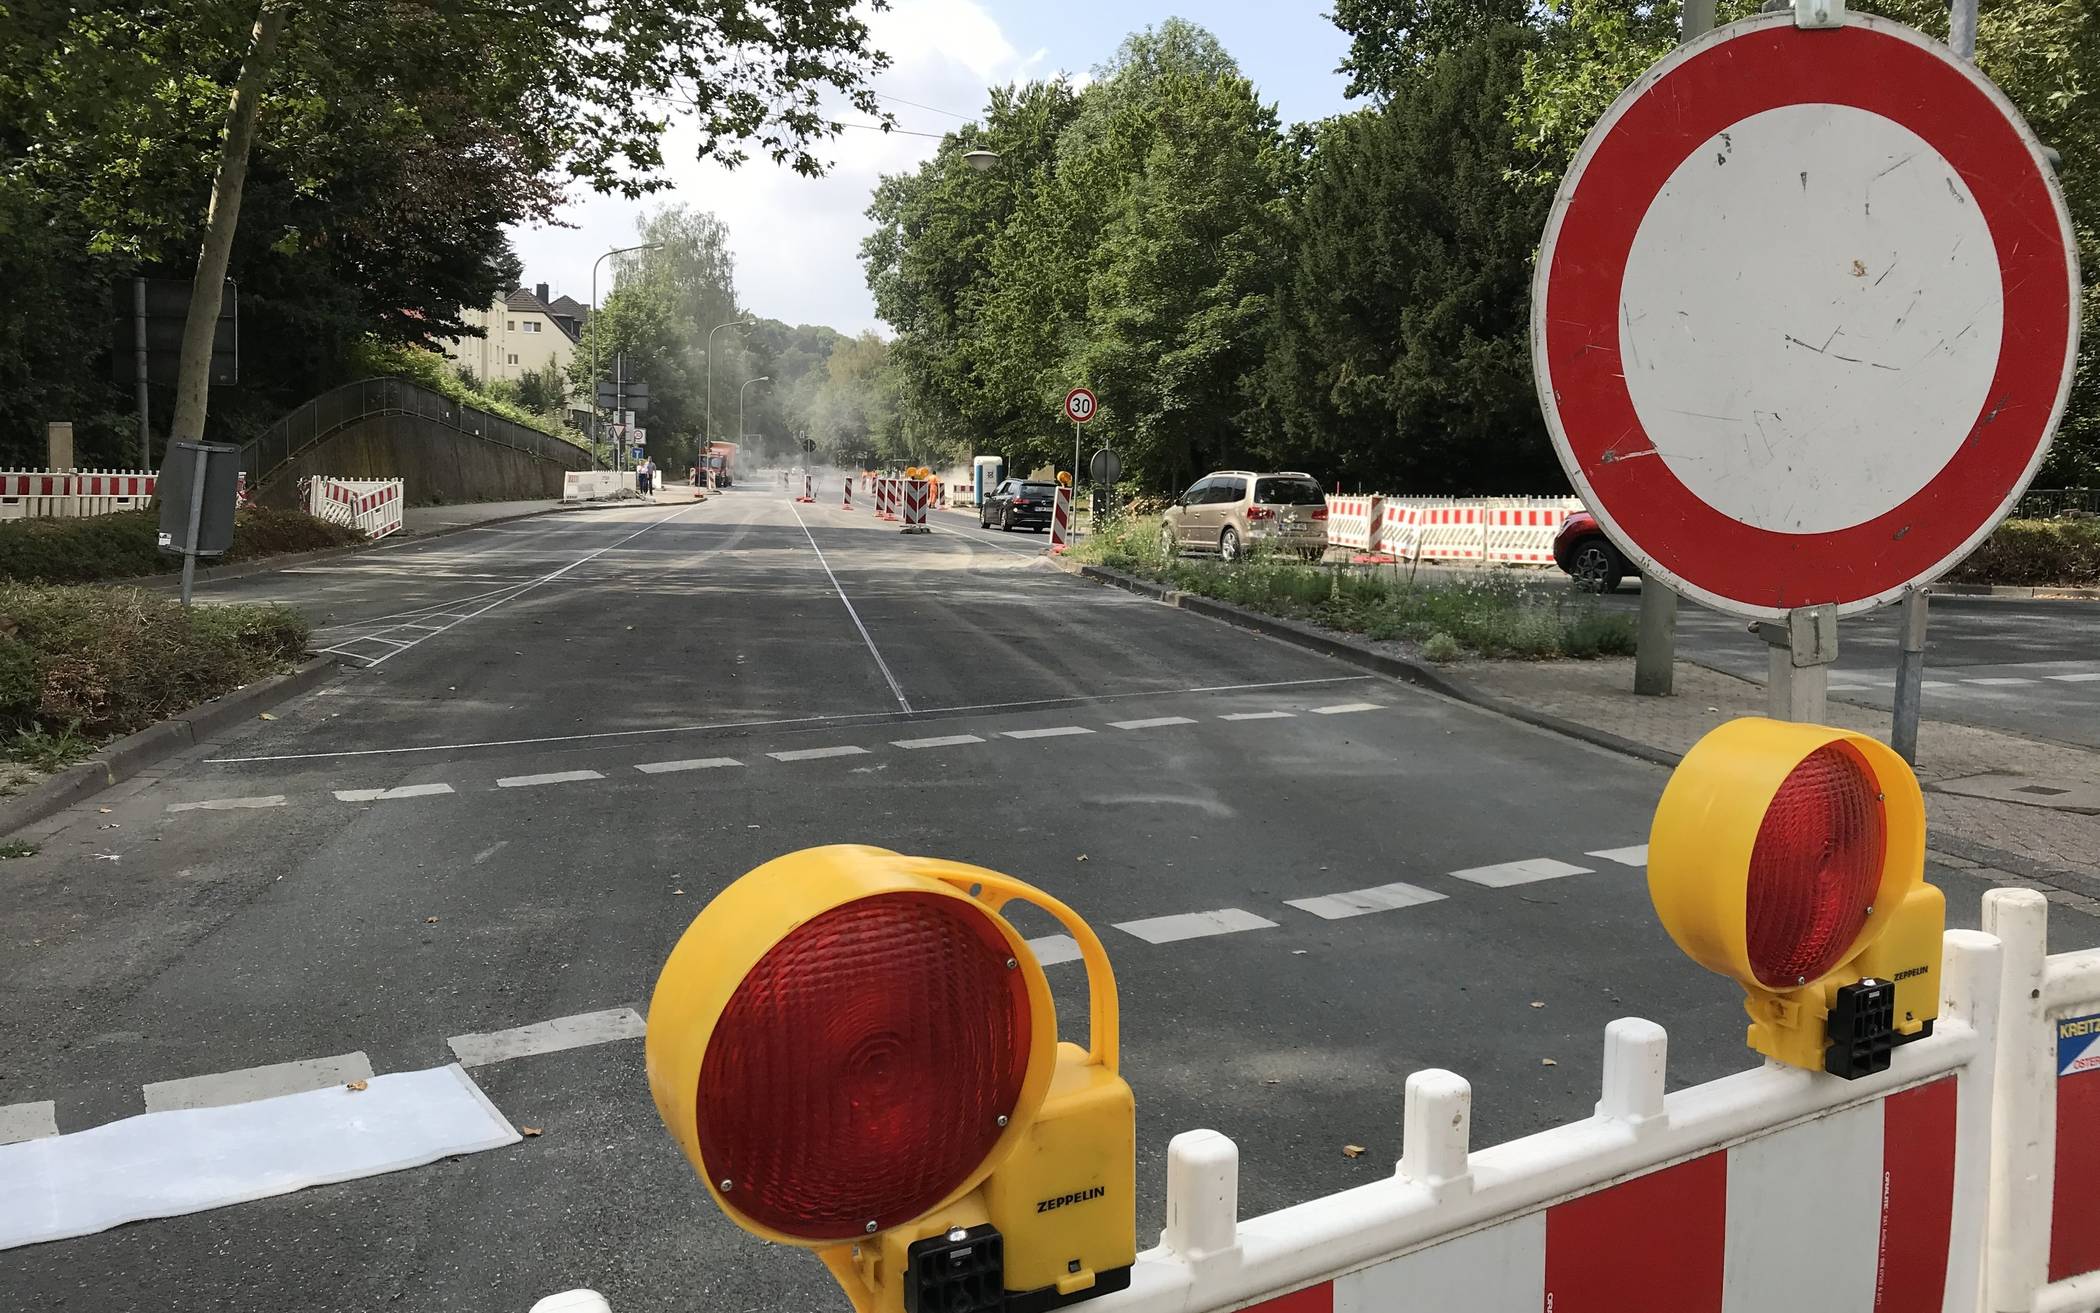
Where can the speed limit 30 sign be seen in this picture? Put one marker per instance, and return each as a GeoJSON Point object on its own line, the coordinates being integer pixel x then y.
{"type": "Point", "coordinates": [1805, 315]}
{"type": "Point", "coordinates": [1080, 405]}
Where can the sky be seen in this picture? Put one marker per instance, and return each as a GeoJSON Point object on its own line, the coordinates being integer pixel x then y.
{"type": "Point", "coordinates": [797, 240]}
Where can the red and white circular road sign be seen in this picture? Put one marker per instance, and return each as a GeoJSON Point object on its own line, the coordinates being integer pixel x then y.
{"type": "Point", "coordinates": [1080, 405]}
{"type": "Point", "coordinates": [1805, 315]}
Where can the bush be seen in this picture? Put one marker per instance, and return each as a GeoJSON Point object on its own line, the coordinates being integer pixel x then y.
{"type": "Point", "coordinates": [123, 545]}
{"type": "Point", "coordinates": [2064, 553]}
{"type": "Point", "coordinates": [433, 371]}
{"type": "Point", "coordinates": [109, 661]}
{"type": "Point", "coordinates": [1494, 615]}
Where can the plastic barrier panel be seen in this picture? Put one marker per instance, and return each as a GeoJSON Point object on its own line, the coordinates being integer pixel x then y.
{"type": "Point", "coordinates": [591, 485]}
{"type": "Point", "coordinates": [1061, 520]}
{"type": "Point", "coordinates": [1354, 522]}
{"type": "Point", "coordinates": [917, 494]}
{"type": "Point", "coordinates": [371, 506]}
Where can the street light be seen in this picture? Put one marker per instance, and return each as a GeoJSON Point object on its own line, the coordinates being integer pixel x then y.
{"type": "Point", "coordinates": [981, 160]}
{"type": "Point", "coordinates": [645, 246]}
{"type": "Point", "coordinates": [762, 378]}
{"type": "Point", "coordinates": [707, 424]}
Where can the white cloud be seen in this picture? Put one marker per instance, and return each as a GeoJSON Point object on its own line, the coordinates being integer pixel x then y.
{"type": "Point", "coordinates": [797, 240]}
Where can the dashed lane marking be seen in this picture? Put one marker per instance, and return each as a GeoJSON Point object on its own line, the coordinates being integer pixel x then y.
{"type": "Point", "coordinates": [943, 741]}
{"type": "Point", "coordinates": [227, 804]}
{"type": "Point", "coordinates": [1258, 715]}
{"type": "Point", "coordinates": [1151, 722]}
{"type": "Point", "coordinates": [1194, 925]}
{"type": "Point", "coordinates": [251, 1083]}
{"type": "Point", "coordinates": [36, 1121]}
{"type": "Point", "coordinates": [1999, 681]}
{"type": "Point", "coordinates": [815, 754]}
{"type": "Point", "coordinates": [580, 1031]}
{"type": "Point", "coordinates": [553, 777]}
{"type": "Point", "coordinates": [1346, 707]}
{"type": "Point", "coordinates": [1357, 902]}
{"type": "Point", "coordinates": [2085, 677]}
{"type": "Point", "coordinates": [1525, 872]}
{"type": "Point", "coordinates": [389, 795]}
{"type": "Point", "coordinates": [1637, 855]}
{"type": "Point", "coordinates": [1052, 732]}
{"type": "Point", "coordinates": [694, 763]}
{"type": "Point", "coordinates": [1053, 949]}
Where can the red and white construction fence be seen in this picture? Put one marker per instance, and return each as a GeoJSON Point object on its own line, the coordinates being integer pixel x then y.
{"type": "Point", "coordinates": [372, 506]}
{"type": "Point", "coordinates": [1493, 530]}
{"type": "Point", "coordinates": [35, 494]}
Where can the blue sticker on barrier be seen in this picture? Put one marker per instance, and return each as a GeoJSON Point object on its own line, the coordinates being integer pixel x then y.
{"type": "Point", "coordinates": [2078, 1045]}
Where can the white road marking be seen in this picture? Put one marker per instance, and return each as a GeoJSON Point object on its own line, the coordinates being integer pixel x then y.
{"type": "Point", "coordinates": [895, 688]}
{"type": "Point", "coordinates": [580, 1031]}
{"type": "Point", "coordinates": [1383, 898]}
{"type": "Point", "coordinates": [170, 1163]}
{"type": "Point", "coordinates": [228, 1087]}
{"type": "Point", "coordinates": [693, 763]}
{"type": "Point", "coordinates": [814, 754]}
{"type": "Point", "coordinates": [227, 804]}
{"type": "Point", "coordinates": [1258, 715]}
{"type": "Point", "coordinates": [944, 741]}
{"type": "Point", "coordinates": [2085, 678]}
{"type": "Point", "coordinates": [1053, 732]}
{"type": "Point", "coordinates": [36, 1121]}
{"type": "Point", "coordinates": [1346, 707]}
{"type": "Point", "coordinates": [552, 777]}
{"type": "Point", "coordinates": [1999, 681]}
{"type": "Point", "coordinates": [1849, 688]}
{"type": "Point", "coordinates": [1524, 872]}
{"type": "Point", "coordinates": [1934, 683]}
{"type": "Point", "coordinates": [389, 795]}
{"type": "Point", "coordinates": [1152, 722]}
{"type": "Point", "coordinates": [1637, 855]}
{"type": "Point", "coordinates": [1194, 925]}
{"type": "Point", "coordinates": [490, 851]}
{"type": "Point", "coordinates": [1050, 950]}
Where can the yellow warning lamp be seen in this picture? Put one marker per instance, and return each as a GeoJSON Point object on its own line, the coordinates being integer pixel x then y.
{"type": "Point", "coordinates": [858, 1053]}
{"type": "Point", "coordinates": [1791, 859]}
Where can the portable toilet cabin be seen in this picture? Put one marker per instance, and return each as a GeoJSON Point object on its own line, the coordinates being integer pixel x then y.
{"type": "Point", "coordinates": [985, 471]}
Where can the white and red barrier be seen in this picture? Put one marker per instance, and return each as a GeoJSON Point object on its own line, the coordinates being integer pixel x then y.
{"type": "Point", "coordinates": [1498, 531]}
{"type": "Point", "coordinates": [809, 489]}
{"type": "Point", "coordinates": [1061, 520]}
{"type": "Point", "coordinates": [848, 502]}
{"type": "Point", "coordinates": [1354, 522]}
{"type": "Point", "coordinates": [371, 506]}
{"type": "Point", "coordinates": [885, 497]}
{"type": "Point", "coordinates": [917, 496]}
{"type": "Point", "coordinates": [38, 494]}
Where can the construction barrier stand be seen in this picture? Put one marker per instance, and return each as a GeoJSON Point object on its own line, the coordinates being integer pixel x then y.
{"type": "Point", "coordinates": [371, 506]}
{"type": "Point", "coordinates": [917, 494]}
{"type": "Point", "coordinates": [1061, 520]}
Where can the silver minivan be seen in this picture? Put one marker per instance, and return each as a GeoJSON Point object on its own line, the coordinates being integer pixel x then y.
{"type": "Point", "coordinates": [1232, 511]}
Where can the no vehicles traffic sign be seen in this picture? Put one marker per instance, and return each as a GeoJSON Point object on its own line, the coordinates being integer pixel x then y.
{"type": "Point", "coordinates": [1805, 314]}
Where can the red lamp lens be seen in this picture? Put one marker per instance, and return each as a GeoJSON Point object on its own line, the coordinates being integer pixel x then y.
{"type": "Point", "coordinates": [860, 1070]}
{"type": "Point", "coordinates": [1816, 867]}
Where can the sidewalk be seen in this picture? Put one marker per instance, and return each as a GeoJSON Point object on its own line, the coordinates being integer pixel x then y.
{"type": "Point", "coordinates": [431, 519]}
{"type": "Point", "coordinates": [1599, 695]}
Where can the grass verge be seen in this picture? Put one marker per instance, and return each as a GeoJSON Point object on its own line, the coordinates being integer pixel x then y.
{"type": "Point", "coordinates": [123, 545]}
{"type": "Point", "coordinates": [1493, 616]}
{"type": "Point", "coordinates": [2037, 553]}
{"type": "Point", "coordinates": [79, 665]}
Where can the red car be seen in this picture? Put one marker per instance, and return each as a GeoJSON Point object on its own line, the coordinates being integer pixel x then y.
{"type": "Point", "coordinates": [1585, 553]}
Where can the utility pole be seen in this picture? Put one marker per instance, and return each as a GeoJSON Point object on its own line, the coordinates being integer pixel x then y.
{"type": "Point", "coordinates": [138, 357]}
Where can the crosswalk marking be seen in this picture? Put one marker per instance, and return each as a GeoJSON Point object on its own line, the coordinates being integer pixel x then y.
{"type": "Point", "coordinates": [553, 777]}
{"type": "Point", "coordinates": [1525, 872]}
{"type": "Point", "coordinates": [1194, 925]}
{"type": "Point", "coordinates": [1357, 902]}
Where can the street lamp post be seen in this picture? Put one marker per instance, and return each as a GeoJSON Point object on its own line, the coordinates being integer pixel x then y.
{"type": "Point", "coordinates": [645, 246]}
{"type": "Point", "coordinates": [762, 378]}
{"type": "Point", "coordinates": [707, 423]}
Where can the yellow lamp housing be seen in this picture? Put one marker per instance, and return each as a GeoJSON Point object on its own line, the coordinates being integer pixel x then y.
{"type": "Point", "coordinates": [858, 1053]}
{"type": "Point", "coordinates": [1791, 858]}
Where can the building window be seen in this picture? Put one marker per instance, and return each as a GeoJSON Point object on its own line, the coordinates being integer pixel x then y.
{"type": "Point", "coordinates": [510, 326]}
{"type": "Point", "coordinates": [514, 357]}
{"type": "Point", "coordinates": [532, 325]}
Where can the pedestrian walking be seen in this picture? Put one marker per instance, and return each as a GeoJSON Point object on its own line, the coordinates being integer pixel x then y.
{"type": "Point", "coordinates": [642, 475]}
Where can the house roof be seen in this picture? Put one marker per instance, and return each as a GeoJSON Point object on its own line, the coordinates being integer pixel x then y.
{"type": "Point", "coordinates": [523, 299]}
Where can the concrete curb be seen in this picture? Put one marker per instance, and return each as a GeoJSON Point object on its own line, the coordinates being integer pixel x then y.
{"type": "Point", "coordinates": [1439, 681]}
{"type": "Point", "coordinates": [2041, 593]}
{"type": "Point", "coordinates": [132, 754]}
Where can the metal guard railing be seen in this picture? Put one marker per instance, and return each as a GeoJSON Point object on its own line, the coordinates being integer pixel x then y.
{"type": "Point", "coordinates": [321, 418]}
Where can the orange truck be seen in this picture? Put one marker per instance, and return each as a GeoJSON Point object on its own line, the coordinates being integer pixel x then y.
{"type": "Point", "coordinates": [721, 460]}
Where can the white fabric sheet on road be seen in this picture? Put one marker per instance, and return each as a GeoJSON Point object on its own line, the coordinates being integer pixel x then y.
{"type": "Point", "coordinates": [165, 1164]}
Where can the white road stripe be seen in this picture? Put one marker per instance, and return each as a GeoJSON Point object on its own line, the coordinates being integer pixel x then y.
{"type": "Point", "coordinates": [553, 777]}
{"type": "Point", "coordinates": [170, 1163]}
{"type": "Point", "coordinates": [1383, 898]}
{"type": "Point", "coordinates": [1194, 925]}
{"type": "Point", "coordinates": [227, 804]}
{"type": "Point", "coordinates": [1637, 855]}
{"type": "Point", "coordinates": [35, 1121]}
{"type": "Point", "coordinates": [1053, 732]}
{"type": "Point", "coordinates": [227, 1087]}
{"type": "Point", "coordinates": [813, 754]}
{"type": "Point", "coordinates": [388, 795]}
{"type": "Point", "coordinates": [694, 763]}
{"type": "Point", "coordinates": [896, 689]}
{"type": "Point", "coordinates": [1154, 722]}
{"type": "Point", "coordinates": [2085, 678]}
{"type": "Point", "coordinates": [1050, 950]}
{"type": "Point", "coordinates": [580, 1031]}
{"type": "Point", "coordinates": [1256, 715]}
{"type": "Point", "coordinates": [1524, 872]}
{"type": "Point", "coordinates": [944, 741]}
{"type": "Point", "coordinates": [1999, 681]}
{"type": "Point", "coordinates": [1347, 707]}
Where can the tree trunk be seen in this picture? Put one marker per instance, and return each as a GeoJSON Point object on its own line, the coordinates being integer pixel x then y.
{"type": "Point", "coordinates": [193, 378]}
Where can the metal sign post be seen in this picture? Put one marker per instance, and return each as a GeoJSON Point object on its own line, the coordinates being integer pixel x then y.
{"type": "Point", "coordinates": [1788, 352]}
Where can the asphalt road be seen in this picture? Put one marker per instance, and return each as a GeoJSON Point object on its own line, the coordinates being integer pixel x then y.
{"type": "Point", "coordinates": [513, 806]}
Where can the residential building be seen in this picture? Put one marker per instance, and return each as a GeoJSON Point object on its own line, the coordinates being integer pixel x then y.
{"type": "Point", "coordinates": [525, 331]}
